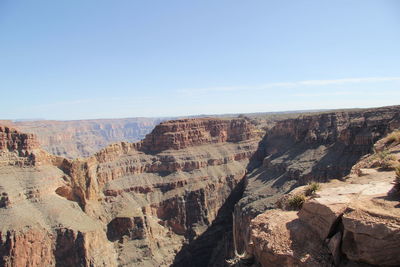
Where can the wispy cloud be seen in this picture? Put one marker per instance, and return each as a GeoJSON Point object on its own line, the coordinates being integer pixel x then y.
{"type": "Point", "coordinates": [65, 103]}
{"type": "Point", "coordinates": [347, 81]}
{"type": "Point", "coordinates": [212, 89]}
{"type": "Point", "coordinates": [295, 84]}
{"type": "Point", "coordinates": [347, 93]}
{"type": "Point", "coordinates": [339, 93]}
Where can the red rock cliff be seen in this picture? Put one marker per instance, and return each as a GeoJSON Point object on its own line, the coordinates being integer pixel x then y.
{"type": "Point", "coordinates": [12, 140]}
{"type": "Point", "coordinates": [180, 134]}
{"type": "Point", "coordinates": [310, 148]}
{"type": "Point", "coordinates": [149, 197]}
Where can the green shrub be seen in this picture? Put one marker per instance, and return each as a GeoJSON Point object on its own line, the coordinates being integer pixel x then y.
{"type": "Point", "coordinates": [397, 179]}
{"type": "Point", "coordinates": [296, 201]}
{"type": "Point", "coordinates": [393, 138]}
{"type": "Point", "coordinates": [385, 159]}
{"type": "Point", "coordinates": [312, 188]}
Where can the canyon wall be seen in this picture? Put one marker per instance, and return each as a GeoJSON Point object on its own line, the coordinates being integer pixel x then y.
{"type": "Point", "coordinates": [130, 204]}
{"type": "Point", "coordinates": [82, 138]}
{"type": "Point", "coordinates": [310, 148]}
{"type": "Point", "coordinates": [168, 199]}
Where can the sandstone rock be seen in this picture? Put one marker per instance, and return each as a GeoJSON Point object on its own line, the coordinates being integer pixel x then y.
{"type": "Point", "coordinates": [126, 226]}
{"type": "Point", "coordinates": [12, 140]}
{"type": "Point", "coordinates": [334, 245]}
{"type": "Point", "coordinates": [191, 132]}
{"type": "Point", "coordinates": [372, 238]}
{"type": "Point", "coordinates": [128, 202]}
{"type": "Point", "coordinates": [354, 220]}
{"type": "Point", "coordinates": [323, 213]}
{"type": "Point", "coordinates": [309, 148]}
{"type": "Point", "coordinates": [278, 238]}
{"type": "Point", "coordinates": [155, 196]}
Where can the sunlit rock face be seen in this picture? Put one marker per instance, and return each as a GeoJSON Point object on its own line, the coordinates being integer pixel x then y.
{"type": "Point", "coordinates": [167, 200]}
{"type": "Point", "coordinates": [310, 148]}
{"type": "Point", "coordinates": [129, 204]}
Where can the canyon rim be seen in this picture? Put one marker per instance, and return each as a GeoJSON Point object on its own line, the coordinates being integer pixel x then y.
{"type": "Point", "coordinates": [206, 192]}
{"type": "Point", "coordinates": [206, 133]}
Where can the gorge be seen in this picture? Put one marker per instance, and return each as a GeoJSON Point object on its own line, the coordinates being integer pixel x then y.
{"type": "Point", "coordinates": [201, 192]}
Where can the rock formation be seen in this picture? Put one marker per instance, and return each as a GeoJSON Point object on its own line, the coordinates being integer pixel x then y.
{"type": "Point", "coordinates": [346, 222]}
{"type": "Point", "coordinates": [131, 204]}
{"type": "Point", "coordinates": [295, 152]}
{"type": "Point", "coordinates": [82, 138]}
{"type": "Point", "coordinates": [168, 199]}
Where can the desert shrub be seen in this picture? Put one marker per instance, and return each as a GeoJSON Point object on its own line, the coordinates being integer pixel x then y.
{"type": "Point", "coordinates": [393, 138]}
{"type": "Point", "coordinates": [296, 201]}
{"type": "Point", "coordinates": [312, 188]}
{"type": "Point", "coordinates": [397, 179]}
{"type": "Point", "coordinates": [385, 159]}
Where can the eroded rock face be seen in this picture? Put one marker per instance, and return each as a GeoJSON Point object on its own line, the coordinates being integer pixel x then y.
{"type": "Point", "coordinates": [130, 203]}
{"type": "Point", "coordinates": [131, 227]}
{"type": "Point", "coordinates": [82, 138]}
{"type": "Point", "coordinates": [180, 134]}
{"type": "Point", "coordinates": [278, 238]}
{"type": "Point", "coordinates": [12, 140]}
{"type": "Point", "coordinates": [310, 148]}
{"type": "Point", "coordinates": [41, 228]}
{"type": "Point", "coordinates": [345, 223]}
{"type": "Point", "coordinates": [139, 204]}
{"type": "Point", "coordinates": [29, 247]}
{"type": "Point", "coordinates": [371, 237]}
{"type": "Point", "coordinates": [356, 221]}
{"type": "Point", "coordinates": [16, 147]}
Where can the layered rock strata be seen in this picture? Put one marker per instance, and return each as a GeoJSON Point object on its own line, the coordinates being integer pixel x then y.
{"type": "Point", "coordinates": [310, 148]}
{"type": "Point", "coordinates": [130, 204]}
{"type": "Point", "coordinates": [82, 138]}
{"type": "Point", "coordinates": [16, 147]}
{"type": "Point", "coordinates": [141, 204]}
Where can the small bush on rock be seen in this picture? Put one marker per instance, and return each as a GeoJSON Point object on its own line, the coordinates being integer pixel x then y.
{"type": "Point", "coordinates": [296, 201]}
{"type": "Point", "coordinates": [393, 138]}
{"type": "Point", "coordinates": [397, 179]}
{"type": "Point", "coordinates": [312, 188]}
{"type": "Point", "coordinates": [385, 159]}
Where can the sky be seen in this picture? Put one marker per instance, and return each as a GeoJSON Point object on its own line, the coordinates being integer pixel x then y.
{"type": "Point", "coordinates": [86, 59]}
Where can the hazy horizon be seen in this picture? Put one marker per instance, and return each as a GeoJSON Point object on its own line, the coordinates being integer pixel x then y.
{"type": "Point", "coordinates": [76, 60]}
{"type": "Point", "coordinates": [200, 115]}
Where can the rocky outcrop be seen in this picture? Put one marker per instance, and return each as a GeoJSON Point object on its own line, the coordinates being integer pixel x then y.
{"type": "Point", "coordinates": [41, 228]}
{"type": "Point", "coordinates": [26, 248]}
{"type": "Point", "coordinates": [12, 140]}
{"type": "Point", "coordinates": [310, 148]}
{"type": "Point", "coordinates": [16, 147]}
{"type": "Point", "coordinates": [371, 237]}
{"type": "Point", "coordinates": [346, 222]}
{"type": "Point", "coordinates": [278, 238]}
{"type": "Point", "coordinates": [179, 134]}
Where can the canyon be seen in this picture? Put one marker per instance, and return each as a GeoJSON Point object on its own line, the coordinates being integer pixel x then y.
{"type": "Point", "coordinates": [203, 192]}
{"type": "Point", "coordinates": [83, 138]}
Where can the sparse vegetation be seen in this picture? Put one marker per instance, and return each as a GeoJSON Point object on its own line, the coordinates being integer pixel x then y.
{"type": "Point", "coordinates": [397, 179]}
{"type": "Point", "coordinates": [393, 138]}
{"type": "Point", "coordinates": [312, 188]}
{"type": "Point", "coordinates": [296, 201]}
{"type": "Point", "coordinates": [385, 159]}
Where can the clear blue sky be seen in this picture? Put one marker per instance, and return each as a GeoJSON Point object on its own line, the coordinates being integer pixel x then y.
{"type": "Point", "coordinates": [76, 59]}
